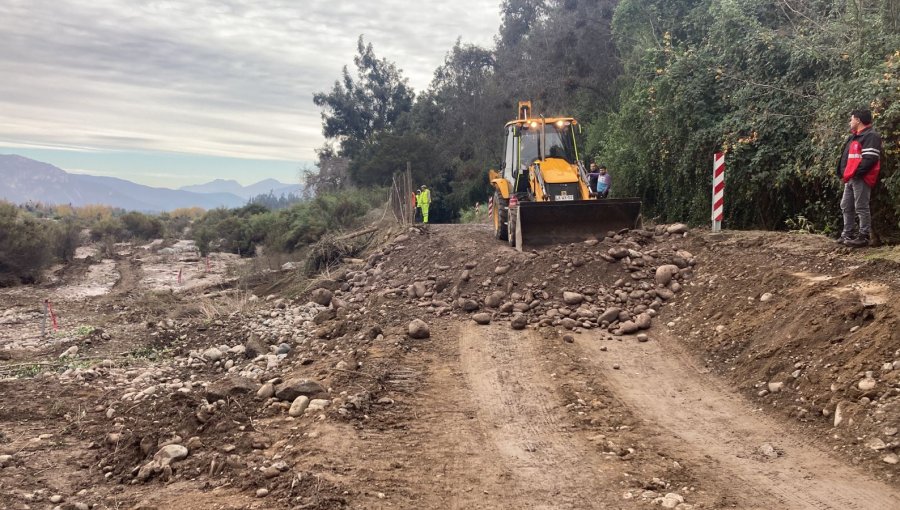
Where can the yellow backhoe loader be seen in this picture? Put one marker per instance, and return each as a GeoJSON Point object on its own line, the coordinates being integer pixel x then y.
{"type": "Point", "coordinates": [541, 191]}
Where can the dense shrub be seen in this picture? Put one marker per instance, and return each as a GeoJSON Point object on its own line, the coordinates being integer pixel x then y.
{"type": "Point", "coordinates": [26, 245]}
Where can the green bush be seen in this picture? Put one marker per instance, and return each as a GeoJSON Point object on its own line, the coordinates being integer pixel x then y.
{"type": "Point", "coordinates": [26, 245]}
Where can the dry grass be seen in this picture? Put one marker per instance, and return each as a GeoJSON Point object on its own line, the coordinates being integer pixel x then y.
{"type": "Point", "coordinates": [224, 304]}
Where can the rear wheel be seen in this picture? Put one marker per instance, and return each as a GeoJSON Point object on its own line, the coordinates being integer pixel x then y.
{"type": "Point", "coordinates": [501, 217]}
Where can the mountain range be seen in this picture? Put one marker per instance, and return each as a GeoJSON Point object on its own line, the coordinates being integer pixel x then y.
{"type": "Point", "coordinates": [25, 180]}
{"type": "Point", "coordinates": [263, 187]}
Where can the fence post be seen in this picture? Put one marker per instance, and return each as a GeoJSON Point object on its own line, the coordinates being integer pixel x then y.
{"type": "Point", "coordinates": [718, 191]}
{"type": "Point", "coordinates": [44, 320]}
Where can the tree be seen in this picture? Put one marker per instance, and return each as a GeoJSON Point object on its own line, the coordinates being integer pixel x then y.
{"type": "Point", "coordinates": [357, 109]}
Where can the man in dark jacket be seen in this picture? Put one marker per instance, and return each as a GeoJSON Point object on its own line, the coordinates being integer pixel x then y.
{"type": "Point", "coordinates": [858, 169]}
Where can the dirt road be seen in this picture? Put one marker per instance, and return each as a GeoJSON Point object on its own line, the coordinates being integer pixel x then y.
{"type": "Point", "coordinates": [726, 403]}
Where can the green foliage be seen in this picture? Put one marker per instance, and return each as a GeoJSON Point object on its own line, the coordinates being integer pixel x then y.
{"type": "Point", "coordinates": [242, 230]}
{"type": "Point", "coordinates": [772, 87]}
{"type": "Point", "coordinates": [142, 226]}
{"type": "Point", "coordinates": [357, 109]}
{"type": "Point", "coordinates": [26, 245]}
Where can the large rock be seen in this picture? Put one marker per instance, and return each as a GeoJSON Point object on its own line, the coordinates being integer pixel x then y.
{"type": "Point", "coordinates": [229, 386]}
{"type": "Point", "coordinates": [321, 297]}
{"type": "Point", "coordinates": [664, 274]}
{"type": "Point", "coordinates": [292, 388]}
{"type": "Point", "coordinates": [418, 329]}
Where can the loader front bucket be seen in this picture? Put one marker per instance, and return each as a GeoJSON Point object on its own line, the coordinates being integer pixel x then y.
{"type": "Point", "coordinates": [541, 223]}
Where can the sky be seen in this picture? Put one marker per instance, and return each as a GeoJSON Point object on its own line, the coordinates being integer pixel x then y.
{"type": "Point", "coordinates": [176, 92]}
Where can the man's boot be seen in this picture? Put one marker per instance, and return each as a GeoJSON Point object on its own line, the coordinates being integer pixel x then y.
{"type": "Point", "coordinates": [845, 237]}
{"type": "Point", "coordinates": [860, 241]}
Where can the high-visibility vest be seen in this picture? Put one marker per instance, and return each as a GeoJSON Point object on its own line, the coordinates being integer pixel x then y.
{"type": "Point", "coordinates": [426, 196]}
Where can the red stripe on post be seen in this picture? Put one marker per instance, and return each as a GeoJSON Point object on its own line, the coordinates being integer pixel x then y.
{"type": "Point", "coordinates": [720, 187]}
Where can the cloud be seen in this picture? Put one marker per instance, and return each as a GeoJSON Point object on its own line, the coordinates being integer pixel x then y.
{"type": "Point", "coordinates": [227, 78]}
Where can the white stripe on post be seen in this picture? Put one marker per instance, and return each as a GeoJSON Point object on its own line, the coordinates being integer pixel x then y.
{"type": "Point", "coordinates": [718, 191]}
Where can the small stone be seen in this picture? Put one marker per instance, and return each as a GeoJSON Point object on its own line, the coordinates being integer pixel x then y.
{"type": "Point", "coordinates": [418, 329]}
{"type": "Point", "coordinates": [767, 450]}
{"type": "Point", "coordinates": [261, 493]}
{"type": "Point", "coordinates": [642, 337]}
{"type": "Point", "coordinates": [56, 498]}
{"type": "Point", "coordinates": [482, 318]}
{"type": "Point", "coordinates": [890, 458]}
{"type": "Point", "coordinates": [572, 298]}
{"type": "Point", "coordinates": [568, 338]}
{"type": "Point", "coordinates": [495, 299]}
{"type": "Point", "coordinates": [322, 297]}
{"type": "Point", "coordinates": [501, 270]}
{"type": "Point", "coordinates": [609, 315]}
{"type": "Point", "coordinates": [170, 453]}
{"type": "Point", "coordinates": [298, 406]}
{"type": "Point", "coordinates": [765, 297]}
{"type": "Point", "coordinates": [212, 354]}
{"type": "Point", "coordinates": [519, 321]}
{"type": "Point", "coordinates": [866, 384]}
{"type": "Point", "coordinates": [319, 404]}
{"type": "Point", "coordinates": [875, 444]}
{"type": "Point", "coordinates": [776, 387]}
{"type": "Point", "coordinates": [664, 274]}
{"type": "Point", "coordinates": [677, 228]}
{"type": "Point", "coordinates": [267, 391]}
{"type": "Point", "coordinates": [616, 366]}
{"type": "Point", "coordinates": [890, 431]}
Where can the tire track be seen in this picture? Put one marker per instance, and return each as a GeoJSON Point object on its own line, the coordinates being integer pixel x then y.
{"type": "Point", "coordinates": [517, 406]}
{"type": "Point", "coordinates": [716, 428]}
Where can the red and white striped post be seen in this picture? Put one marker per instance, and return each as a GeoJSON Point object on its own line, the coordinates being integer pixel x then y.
{"type": "Point", "coordinates": [718, 191]}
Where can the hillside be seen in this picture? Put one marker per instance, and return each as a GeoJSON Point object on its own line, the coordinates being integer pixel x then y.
{"type": "Point", "coordinates": [660, 367]}
{"type": "Point", "coordinates": [25, 180]}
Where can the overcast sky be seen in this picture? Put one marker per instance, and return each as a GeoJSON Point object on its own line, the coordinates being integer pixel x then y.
{"type": "Point", "coordinates": [183, 91]}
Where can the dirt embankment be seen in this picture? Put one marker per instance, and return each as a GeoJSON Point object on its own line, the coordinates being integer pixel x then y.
{"type": "Point", "coordinates": [660, 367]}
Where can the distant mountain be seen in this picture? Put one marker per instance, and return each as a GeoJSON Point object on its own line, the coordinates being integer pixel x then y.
{"type": "Point", "coordinates": [26, 180]}
{"type": "Point", "coordinates": [246, 192]}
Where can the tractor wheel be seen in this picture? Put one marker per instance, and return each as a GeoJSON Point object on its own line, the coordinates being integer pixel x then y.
{"type": "Point", "coordinates": [500, 217]}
